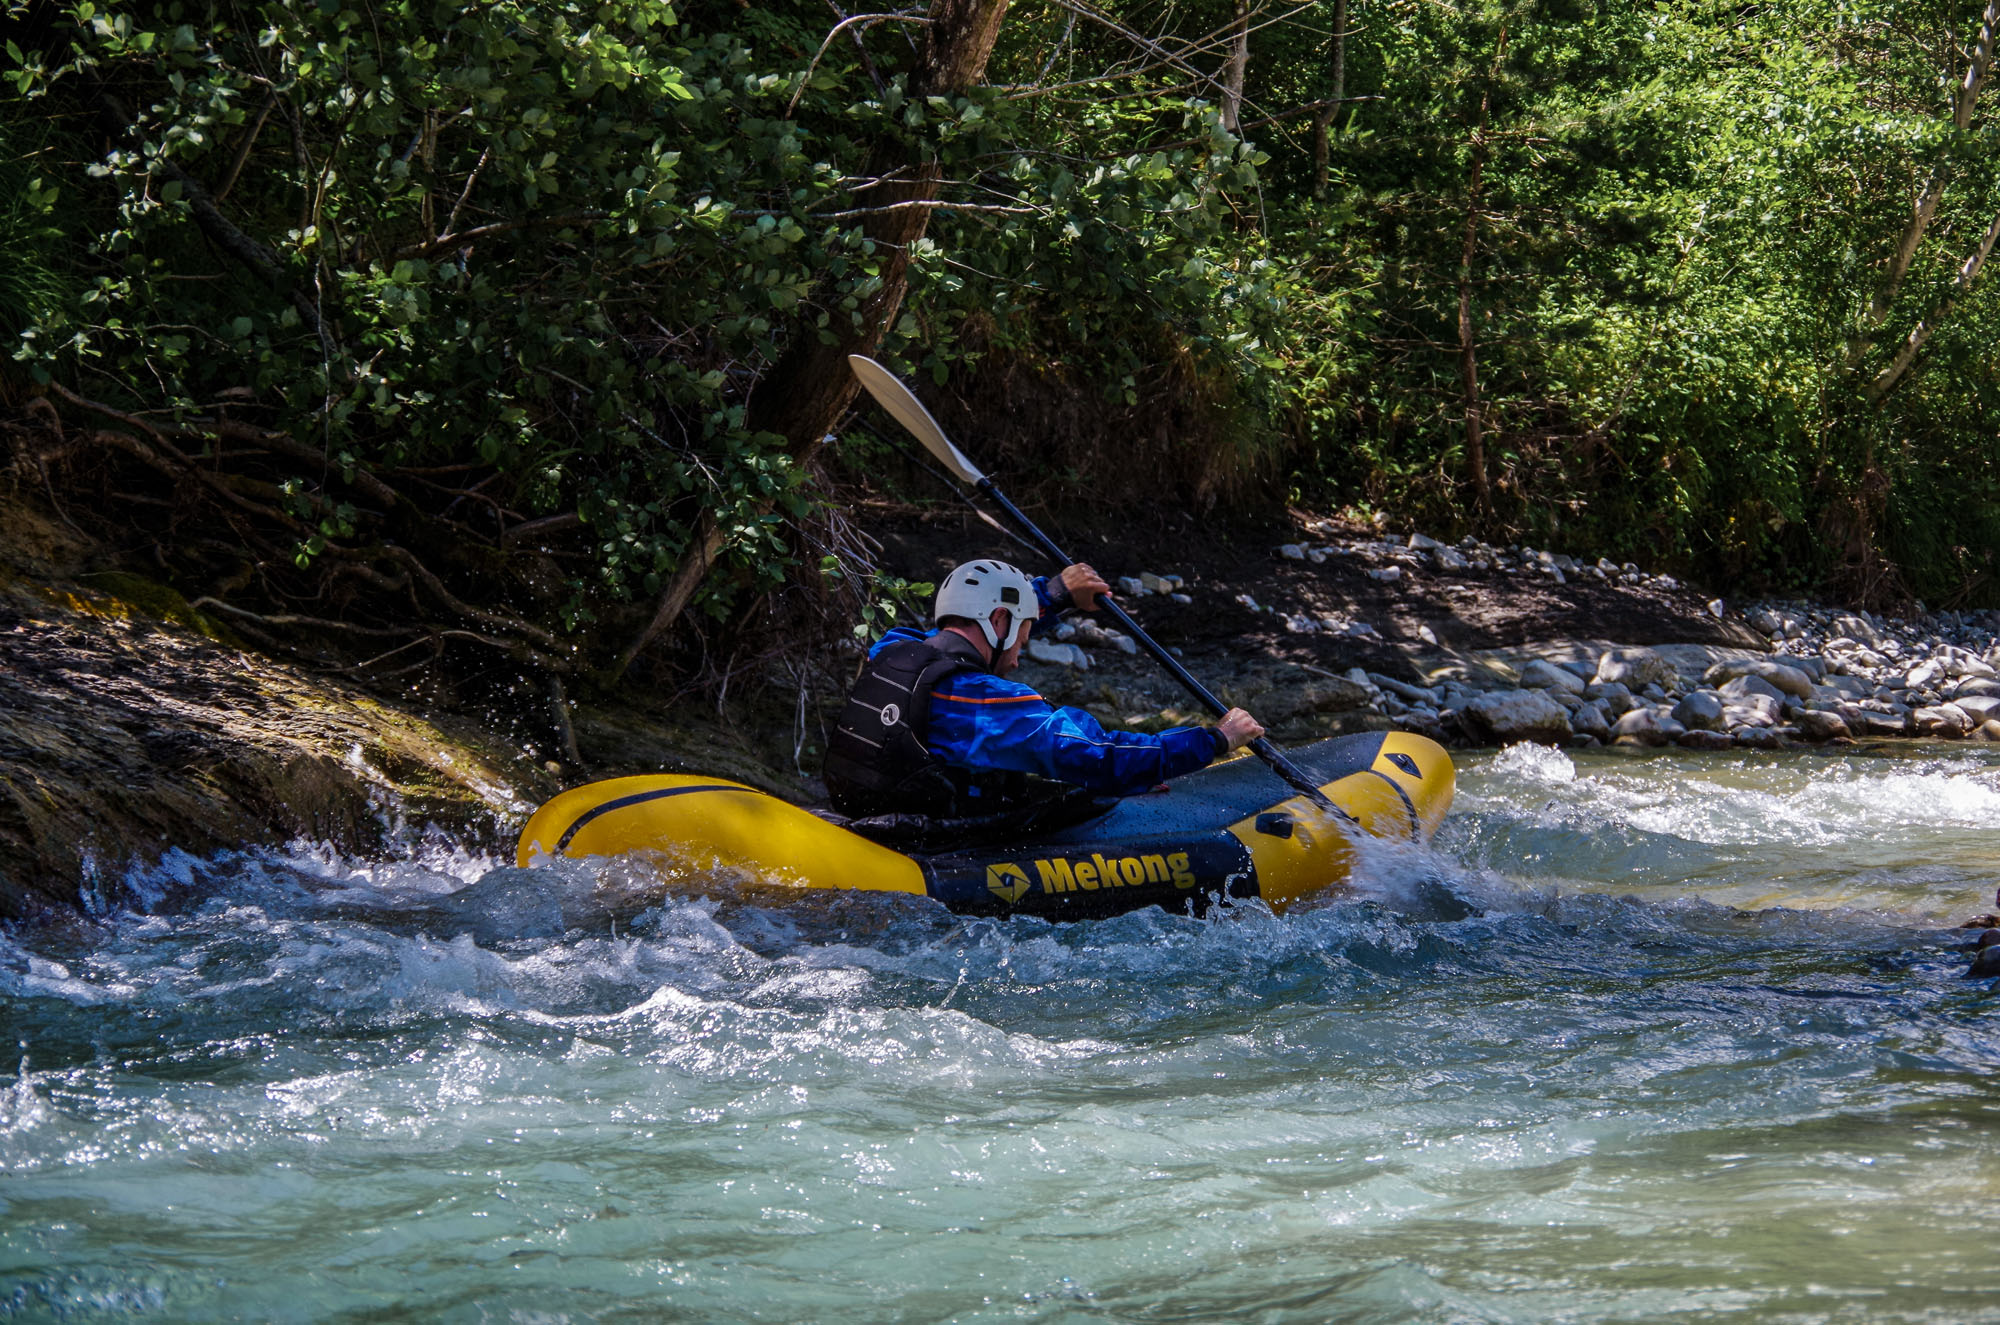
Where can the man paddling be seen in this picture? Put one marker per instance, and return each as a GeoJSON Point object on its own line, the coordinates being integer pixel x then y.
{"type": "Point", "coordinates": [932, 727]}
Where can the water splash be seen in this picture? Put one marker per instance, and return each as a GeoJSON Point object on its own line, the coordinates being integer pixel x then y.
{"type": "Point", "coordinates": [1535, 1072]}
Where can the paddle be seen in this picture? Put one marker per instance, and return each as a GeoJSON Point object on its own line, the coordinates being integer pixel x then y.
{"type": "Point", "coordinates": [892, 395]}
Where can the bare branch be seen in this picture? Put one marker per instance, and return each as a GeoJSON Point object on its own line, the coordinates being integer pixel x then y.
{"type": "Point", "coordinates": [862, 20]}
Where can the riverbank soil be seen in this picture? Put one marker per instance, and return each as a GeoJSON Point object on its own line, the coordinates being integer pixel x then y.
{"type": "Point", "coordinates": [132, 724]}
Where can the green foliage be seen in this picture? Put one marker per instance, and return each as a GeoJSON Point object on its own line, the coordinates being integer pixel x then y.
{"type": "Point", "coordinates": [31, 281]}
{"type": "Point", "coordinates": [533, 257]}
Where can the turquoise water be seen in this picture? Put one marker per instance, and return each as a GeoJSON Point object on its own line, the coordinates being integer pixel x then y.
{"type": "Point", "coordinates": [1640, 1039]}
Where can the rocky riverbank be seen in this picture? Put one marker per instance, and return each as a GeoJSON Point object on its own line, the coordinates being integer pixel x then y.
{"type": "Point", "coordinates": [1696, 673]}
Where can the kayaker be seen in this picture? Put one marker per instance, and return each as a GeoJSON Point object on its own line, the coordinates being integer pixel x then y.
{"type": "Point", "coordinates": [932, 727]}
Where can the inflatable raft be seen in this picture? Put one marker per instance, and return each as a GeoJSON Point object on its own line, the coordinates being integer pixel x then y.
{"type": "Point", "coordinates": [1231, 830]}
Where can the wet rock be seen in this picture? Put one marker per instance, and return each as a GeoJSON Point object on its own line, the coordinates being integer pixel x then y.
{"type": "Point", "coordinates": [1740, 688]}
{"type": "Point", "coordinates": [1540, 675]}
{"type": "Point", "coordinates": [1980, 708]}
{"type": "Point", "coordinates": [1785, 680]}
{"type": "Point", "coordinates": [1756, 738]}
{"type": "Point", "coordinates": [1985, 964]}
{"type": "Point", "coordinates": [1945, 720]}
{"type": "Point", "coordinates": [1703, 739]}
{"type": "Point", "coordinates": [1590, 719]}
{"type": "Point", "coordinates": [1752, 711]}
{"type": "Point", "coordinates": [1634, 668]}
{"type": "Point", "coordinates": [1641, 726]}
{"type": "Point", "coordinates": [1506, 716]}
{"type": "Point", "coordinates": [1616, 698]}
{"type": "Point", "coordinates": [121, 735]}
{"type": "Point", "coordinates": [1821, 725]}
{"type": "Point", "coordinates": [1700, 711]}
{"type": "Point", "coordinates": [1874, 722]}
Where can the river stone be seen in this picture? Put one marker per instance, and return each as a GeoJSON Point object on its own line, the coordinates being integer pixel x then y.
{"type": "Point", "coordinates": [1506, 716]}
{"type": "Point", "coordinates": [1060, 655]}
{"type": "Point", "coordinates": [1590, 719]}
{"type": "Point", "coordinates": [1884, 724]}
{"type": "Point", "coordinates": [1989, 731]}
{"type": "Point", "coordinates": [1539, 675]}
{"type": "Point", "coordinates": [1976, 686]}
{"type": "Point", "coordinates": [1743, 687]}
{"type": "Point", "coordinates": [1793, 681]}
{"type": "Point", "coordinates": [1757, 738]}
{"type": "Point", "coordinates": [1924, 675]}
{"type": "Point", "coordinates": [1616, 698]}
{"type": "Point", "coordinates": [1752, 711]}
{"type": "Point", "coordinates": [1856, 628]}
{"type": "Point", "coordinates": [1634, 668]}
{"type": "Point", "coordinates": [1820, 725]}
{"type": "Point", "coordinates": [1948, 720]}
{"type": "Point", "coordinates": [1639, 727]}
{"type": "Point", "coordinates": [1700, 711]}
{"type": "Point", "coordinates": [1980, 708]}
{"type": "Point", "coordinates": [1696, 738]}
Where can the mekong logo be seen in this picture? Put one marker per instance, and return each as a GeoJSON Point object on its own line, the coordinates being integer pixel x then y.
{"type": "Point", "coordinates": [1008, 881]}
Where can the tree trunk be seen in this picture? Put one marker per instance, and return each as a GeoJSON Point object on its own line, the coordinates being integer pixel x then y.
{"type": "Point", "coordinates": [1468, 345]}
{"type": "Point", "coordinates": [810, 387]}
{"type": "Point", "coordinates": [1963, 103]}
{"type": "Point", "coordinates": [1323, 117]}
{"type": "Point", "coordinates": [1237, 66]}
{"type": "Point", "coordinates": [1899, 367]}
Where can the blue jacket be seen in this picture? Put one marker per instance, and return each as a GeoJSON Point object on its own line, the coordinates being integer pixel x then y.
{"type": "Point", "coordinates": [981, 721]}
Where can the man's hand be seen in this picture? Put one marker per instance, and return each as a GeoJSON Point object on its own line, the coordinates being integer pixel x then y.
{"type": "Point", "coordinates": [1085, 586]}
{"type": "Point", "coordinates": [1240, 728]}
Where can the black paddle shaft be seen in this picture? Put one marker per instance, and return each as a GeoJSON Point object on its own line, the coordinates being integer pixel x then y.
{"type": "Point", "coordinates": [1261, 747]}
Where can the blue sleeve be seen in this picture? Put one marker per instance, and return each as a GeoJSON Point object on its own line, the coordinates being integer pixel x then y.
{"type": "Point", "coordinates": [980, 721]}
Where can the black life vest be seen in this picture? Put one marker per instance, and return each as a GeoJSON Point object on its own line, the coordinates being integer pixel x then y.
{"type": "Point", "coordinates": [876, 761]}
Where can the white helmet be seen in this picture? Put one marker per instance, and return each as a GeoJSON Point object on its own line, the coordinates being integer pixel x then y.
{"type": "Point", "coordinates": [977, 587]}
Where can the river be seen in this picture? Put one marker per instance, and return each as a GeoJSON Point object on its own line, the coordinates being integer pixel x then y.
{"type": "Point", "coordinates": [1670, 1037]}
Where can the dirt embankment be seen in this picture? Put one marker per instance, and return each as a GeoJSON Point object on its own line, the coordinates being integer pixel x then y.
{"type": "Point", "coordinates": [131, 724]}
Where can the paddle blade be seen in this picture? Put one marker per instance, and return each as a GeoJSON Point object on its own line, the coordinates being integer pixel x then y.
{"type": "Point", "coordinates": [893, 396]}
